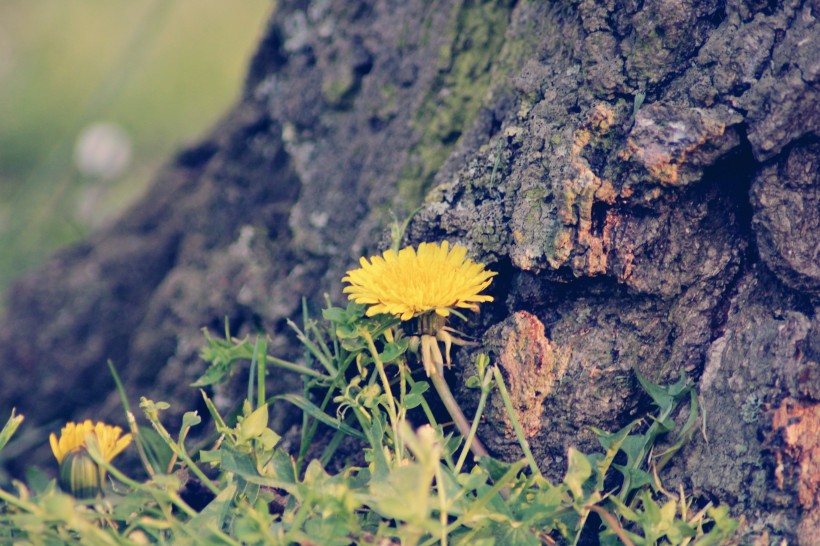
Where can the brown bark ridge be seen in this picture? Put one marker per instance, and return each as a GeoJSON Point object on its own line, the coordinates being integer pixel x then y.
{"type": "Point", "coordinates": [642, 175]}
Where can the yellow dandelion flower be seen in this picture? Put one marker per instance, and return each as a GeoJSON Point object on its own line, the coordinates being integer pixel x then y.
{"type": "Point", "coordinates": [412, 282]}
{"type": "Point", "coordinates": [428, 283]}
{"type": "Point", "coordinates": [79, 474]}
{"type": "Point", "coordinates": [73, 435]}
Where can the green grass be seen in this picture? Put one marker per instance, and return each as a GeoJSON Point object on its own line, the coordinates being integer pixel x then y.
{"type": "Point", "coordinates": [164, 70]}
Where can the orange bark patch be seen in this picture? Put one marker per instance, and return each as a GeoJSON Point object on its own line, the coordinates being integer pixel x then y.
{"type": "Point", "coordinates": [666, 139]}
{"type": "Point", "coordinates": [532, 366]}
{"type": "Point", "coordinates": [580, 192]}
{"type": "Point", "coordinates": [799, 427]}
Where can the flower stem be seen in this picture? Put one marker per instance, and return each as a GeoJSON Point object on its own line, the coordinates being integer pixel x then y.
{"type": "Point", "coordinates": [179, 451]}
{"type": "Point", "coordinates": [11, 499]}
{"type": "Point", "coordinates": [455, 412]}
{"type": "Point", "coordinates": [485, 391]}
{"type": "Point", "coordinates": [296, 368]}
{"type": "Point", "coordinates": [442, 498]}
{"type": "Point", "coordinates": [132, 422]}
{"type": "Point", "coordinates": [519, 432]}
{"type": "Point", "coordinates": [437, 377]}
{"type": "Point", "coordinates": [391, 402]}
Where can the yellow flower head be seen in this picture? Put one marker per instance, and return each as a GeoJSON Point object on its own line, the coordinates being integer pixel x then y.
{"type": "Point", "coordinates": [73, 435]}
{"type": "Point", "coordinates": [412, 282]}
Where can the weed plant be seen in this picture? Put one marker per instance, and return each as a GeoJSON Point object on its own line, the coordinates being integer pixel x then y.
{"type": "Point", "coordinates": [426, 486]}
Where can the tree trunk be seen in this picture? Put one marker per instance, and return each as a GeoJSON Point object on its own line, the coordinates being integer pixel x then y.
{"type": "Point", "coordinates": [642, 175]}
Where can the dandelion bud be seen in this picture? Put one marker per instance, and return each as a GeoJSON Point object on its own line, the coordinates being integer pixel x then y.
{"type": "Point", "coordinates": [80, 475]}
{"type": "Point", "coordinates": [413, 344]}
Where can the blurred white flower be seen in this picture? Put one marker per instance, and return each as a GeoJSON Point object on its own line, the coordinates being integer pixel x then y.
{"type": "Point", "coordinates": [103, 151]}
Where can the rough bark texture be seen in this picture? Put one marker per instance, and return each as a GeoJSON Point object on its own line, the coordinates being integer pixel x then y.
{"type": "Point", "coordinates": [642, 175]}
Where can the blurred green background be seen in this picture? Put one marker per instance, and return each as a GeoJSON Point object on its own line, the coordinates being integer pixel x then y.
{"type": "Point", "coordinates": [95, 95]}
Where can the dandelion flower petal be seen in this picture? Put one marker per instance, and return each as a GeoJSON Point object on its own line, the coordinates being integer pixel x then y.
{"type": "Point", "coordinates": [433, 277]}
{"type": "Point", "coordinates": [73, 438]}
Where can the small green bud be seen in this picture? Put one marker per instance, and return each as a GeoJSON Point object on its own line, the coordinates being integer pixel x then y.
{"type": "Point", "coordinates": [80, 475]}
{"type": "Point", "coordinates": [413, 344]}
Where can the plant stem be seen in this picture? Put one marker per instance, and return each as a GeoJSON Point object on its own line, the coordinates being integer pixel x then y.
{"type": "Point", "coordinates": [260, 348]}
{"type": "Point", "coordinates": [182, 454]}
{"type": "Point", "coordinates": [391, 402]}
{"type": "Point", "coordinates": [132, 422]}
{"type": "Point", "coordinates": [296, 368]}
{"type": "Point", "coordinates": [442, 497]}
{"type": "Point", "coordinates": [485, 391]}
{"type": "Point", "coordinates": [519, 432]}
{"type": "Point", "coordinates": [11, 499]}
{"type": "Point", "coordinates": [455, 412]}
{"type": "Point", "coordinates": [430, 344]}
{"type": "Point", "coordinates": [170, 496]}
{"type": "Point", "coordinates": [481, 502]}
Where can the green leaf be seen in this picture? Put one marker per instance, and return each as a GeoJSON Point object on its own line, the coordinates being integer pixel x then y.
{"type": "Point", "coordinates": [280, 467]}
{"type": "Point", "coordinates": [634, 478]}
{"type": "Point", "coordinates": [239, 463]}
{"type": "Point", "coordinates": [328, 531]}
{"type": "Point", "coordinates": [685, 433]}
{"type": "Point", "coordinates": [168, 482]}
{"type": "Point", "coordinates": [623, 510]}
{"type": "Point", "coordinates": [545, 505]}
{"type": "Point", "coordinates": [210, 456]}
{"type": "Point", "coordinates": [664, 397]}
{"type": "Point", "coordinates": [60, 506]}
{"type": "Point", "coordinates": [351, 314]}
{"type": "Point", "coordinates": [579, 470]}
{"type": "Point", "coordinates": [254, 424]}
{"type": "Point", "coordinates": [635, 448]}
{"type": "Point", "coordinates": [214, 514]}
{"type": "Point", "coordinates": [375, 435]}
{"type": "Point", "coordinates": [249, 492]}
{"type": "Point", "coordinates": [475, 479]}
{"type": "Point", "coordinates": [212, 375]}
{"type": "Point", "coordinates": [612, 443]}
{"type": "Point", "coordinates": [725, 526]}
{"type": "Point", "coordinates": [495, 468]}
{"type": "Point", "coordinates": [315, 474]}
{"type": "Point", "coordinates": [473, 382]}
{"type": "Point", "coordinates": [347, 331]}
{"type": "Point", "coordinates": [38, 481]}
{"type": "Point", "coordinates": [335, 314]}
{"type": "Point", "coordinates": [419, 387]}
{"type": "Point", "coordinates": [222, 354]}
{"type": "Point", "coordinates": [125, 508]}
{"type": "Point", "coordinates": [662, 426]}
{"type": "Point", "coordinates": [515, 534]}
{"type": "Point", "coordinates": [158, 451]}
{"type": "Point", "coordinates": [152, 408]}
{"type": "Point", "coordinates": [268, 439]}
{"type": "Point", "coordinates": [413, 401]}
{"type": "Point", "coordinates": [350, 339]}
{"type": "Point", "coordinates": [190, 419]}
{"type": "Point", "coordinates": [394, 350]}
{"type": "Point", "coordinates": [9, 428]}
{"type": "Point", "coordinates": [391, 496]}
{"type": "Point", "coordinates": [415, 397]}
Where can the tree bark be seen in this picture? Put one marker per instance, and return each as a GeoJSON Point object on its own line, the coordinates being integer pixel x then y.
{"type": "Point", "coordinates": [642, 175]}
